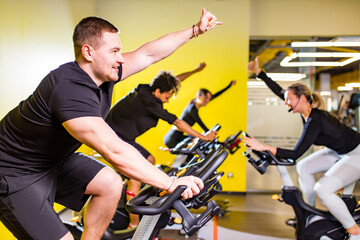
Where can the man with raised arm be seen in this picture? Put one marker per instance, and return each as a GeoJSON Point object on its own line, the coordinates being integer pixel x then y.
{"type": "Point", "coordinates": [38, 139]}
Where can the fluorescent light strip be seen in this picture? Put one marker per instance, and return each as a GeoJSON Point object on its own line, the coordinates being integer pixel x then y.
{"type": "Point", "coordinates": [353, 85]}
{"type": "Point", "coordinates": [253, 83]}
{"type": "Point", "coordinates": [285, 76]}
{"type": "Point", "coordinates": [344, 88]}
{"type": "Point", "coordinates": [352, 58]}
{"type": "Point", "coordinates": [325, 93]}
{"type": "Point", "coordinates": [325, 44]}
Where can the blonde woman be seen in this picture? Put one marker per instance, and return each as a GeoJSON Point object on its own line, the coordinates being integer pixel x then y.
{"type": "Point", "coordinates": [340, 159]}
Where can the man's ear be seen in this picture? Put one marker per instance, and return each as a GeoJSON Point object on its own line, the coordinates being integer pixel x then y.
{"type": "Point", "coordinates": [157, 93]}
{"type": "Point", "coordinates": [87, 52]}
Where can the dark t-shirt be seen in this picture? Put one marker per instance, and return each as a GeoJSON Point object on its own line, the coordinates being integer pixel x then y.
{"type": "Point", "coordinates": [191, 116]}
{"type": "Point", "coordinates": [320, 129]}
{"type": "Point", "coordinates": [136, 113]}
{"type": "Point", "coordinates": [32, 138]}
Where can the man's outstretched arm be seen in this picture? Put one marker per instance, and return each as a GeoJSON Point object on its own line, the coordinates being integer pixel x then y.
{"type": "Point", "coordinates": [185, 75]}
{"type": "Point", "coordinates": [156, 50]}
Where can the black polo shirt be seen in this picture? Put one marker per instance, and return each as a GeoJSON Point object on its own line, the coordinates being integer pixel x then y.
{"type": "Point", "coordinates": [136, 113]}
{"type": "Point", "coordinates": [32, 138]}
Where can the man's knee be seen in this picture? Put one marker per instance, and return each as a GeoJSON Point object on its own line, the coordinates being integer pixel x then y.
{"type": "Point", "coordinates": [106, 182]}
{"type": "Point", "coordinates": [151, 159]}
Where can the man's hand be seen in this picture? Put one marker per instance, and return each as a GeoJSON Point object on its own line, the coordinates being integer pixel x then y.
{"type": "Point", "coordinates": [210, 136]}
{"type": "Point", "coordinates": [200, 67]}
{"type": "Point", "coordinates": [253, 66]}
{"type": "Point", "coordinates": [194, 185]}
{"type": "Point", "coordinates": [207, 22]}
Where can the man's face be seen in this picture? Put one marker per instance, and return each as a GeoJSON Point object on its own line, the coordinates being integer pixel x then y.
{"type": "Point", "coordinates": [107, 58]}
{"type": "Point", "coordinates": [165, 96]}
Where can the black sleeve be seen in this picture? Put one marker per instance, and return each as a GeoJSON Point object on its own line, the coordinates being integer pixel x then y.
{"type": "Point", "coordinates": [220, 92]}
{"type": "Point", "coordinates": [274, 87]}
{"type": "Point", "coordinates": [73, 100]}
{"type": "Point", "coordinates": [195, 115]}
{"type": "Point", "coordinates": [160, 112]}
{"type": "Point", "coordinates": [310, 132]}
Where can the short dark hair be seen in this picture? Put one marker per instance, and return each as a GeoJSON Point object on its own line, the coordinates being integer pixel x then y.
{"type": "Point", "coordinates": [165, 82]}
{"type": "Point", "coordinates": [90, 31]}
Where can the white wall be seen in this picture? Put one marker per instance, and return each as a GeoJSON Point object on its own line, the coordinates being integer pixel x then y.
{"type": "Point", "coordinates": [35, 37]}
{"type": "Point", "coordinates": [304, 17]}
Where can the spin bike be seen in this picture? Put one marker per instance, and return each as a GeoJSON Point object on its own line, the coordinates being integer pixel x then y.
{"type": "Point", "coordinates": [154, 205]}
{"type": "Point", "coordinates": [117, 228]}
{"type": "Point", "coordinates": [311, 223]}
{"type": "Point", "coordinates": [186, 149]}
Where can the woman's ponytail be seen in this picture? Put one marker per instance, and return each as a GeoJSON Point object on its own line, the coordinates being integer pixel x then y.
{"type": "Point", "coordinates": [318, 101]}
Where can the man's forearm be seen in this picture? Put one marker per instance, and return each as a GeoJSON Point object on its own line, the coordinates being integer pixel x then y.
{"type": "Point", "coordinates": [166, 45]}
{"type": "Point", "coordinates": [185, 75]}
{"type": "Point", "coordinates": [184, 127]}
{"type": "Point", "coordinates": [130, 163]}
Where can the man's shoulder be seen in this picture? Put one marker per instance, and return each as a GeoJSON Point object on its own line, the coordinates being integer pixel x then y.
{"type": "Point", "coordinates": [70, 66]}
{"type": "Point", "coordinates": [145, 93]}
{"type": "Point", "coordinates": [71, 74]}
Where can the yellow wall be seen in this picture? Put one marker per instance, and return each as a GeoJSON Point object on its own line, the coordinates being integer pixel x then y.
{"type": "Point", "coordinates": [225, 50]}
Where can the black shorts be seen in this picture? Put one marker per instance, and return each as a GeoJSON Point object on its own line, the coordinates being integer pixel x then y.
{"type": "Point", "coordinates": [29, 214]}
{"type": "Point", "coordinates": [145, 153]}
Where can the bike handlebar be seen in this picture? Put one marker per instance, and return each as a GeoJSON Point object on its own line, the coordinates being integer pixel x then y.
{"type": "Point", "coordinates": [194, 146]}
{"type": "Point", "coordinates": [191, 224]}
{"type": "Point", "coordinates": [266, 158]}
{"type": "Point", "coordinates": [157, 207]}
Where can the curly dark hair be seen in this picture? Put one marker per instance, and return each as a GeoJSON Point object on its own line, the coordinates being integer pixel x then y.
{"type": "Point", "coordinates": [165, 82]}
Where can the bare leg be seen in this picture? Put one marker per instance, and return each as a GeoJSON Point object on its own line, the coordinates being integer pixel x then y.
{"type": "Point", "coordinates": [105, 189]}
{"type": "Point", "coordinates": [68, 236]}
{"type": "Point", "coordinates": [134, 187]}
{"type": "Point", "coordinates": [354, 230]}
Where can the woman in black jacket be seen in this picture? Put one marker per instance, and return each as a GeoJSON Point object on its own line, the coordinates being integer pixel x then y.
{"type": "Point", "coordinates": [340, 159]}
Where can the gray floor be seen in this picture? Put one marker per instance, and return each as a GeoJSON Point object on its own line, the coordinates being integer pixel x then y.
{"type": "Point", "coordinates": [251, 216]}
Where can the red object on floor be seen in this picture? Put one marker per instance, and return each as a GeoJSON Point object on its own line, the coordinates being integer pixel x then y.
{"type": "Point", "coordinates": [215, 225]}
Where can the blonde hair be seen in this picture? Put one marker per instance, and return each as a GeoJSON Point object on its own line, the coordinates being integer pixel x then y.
{"type": "Point", "coordinates": [315, 99]}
